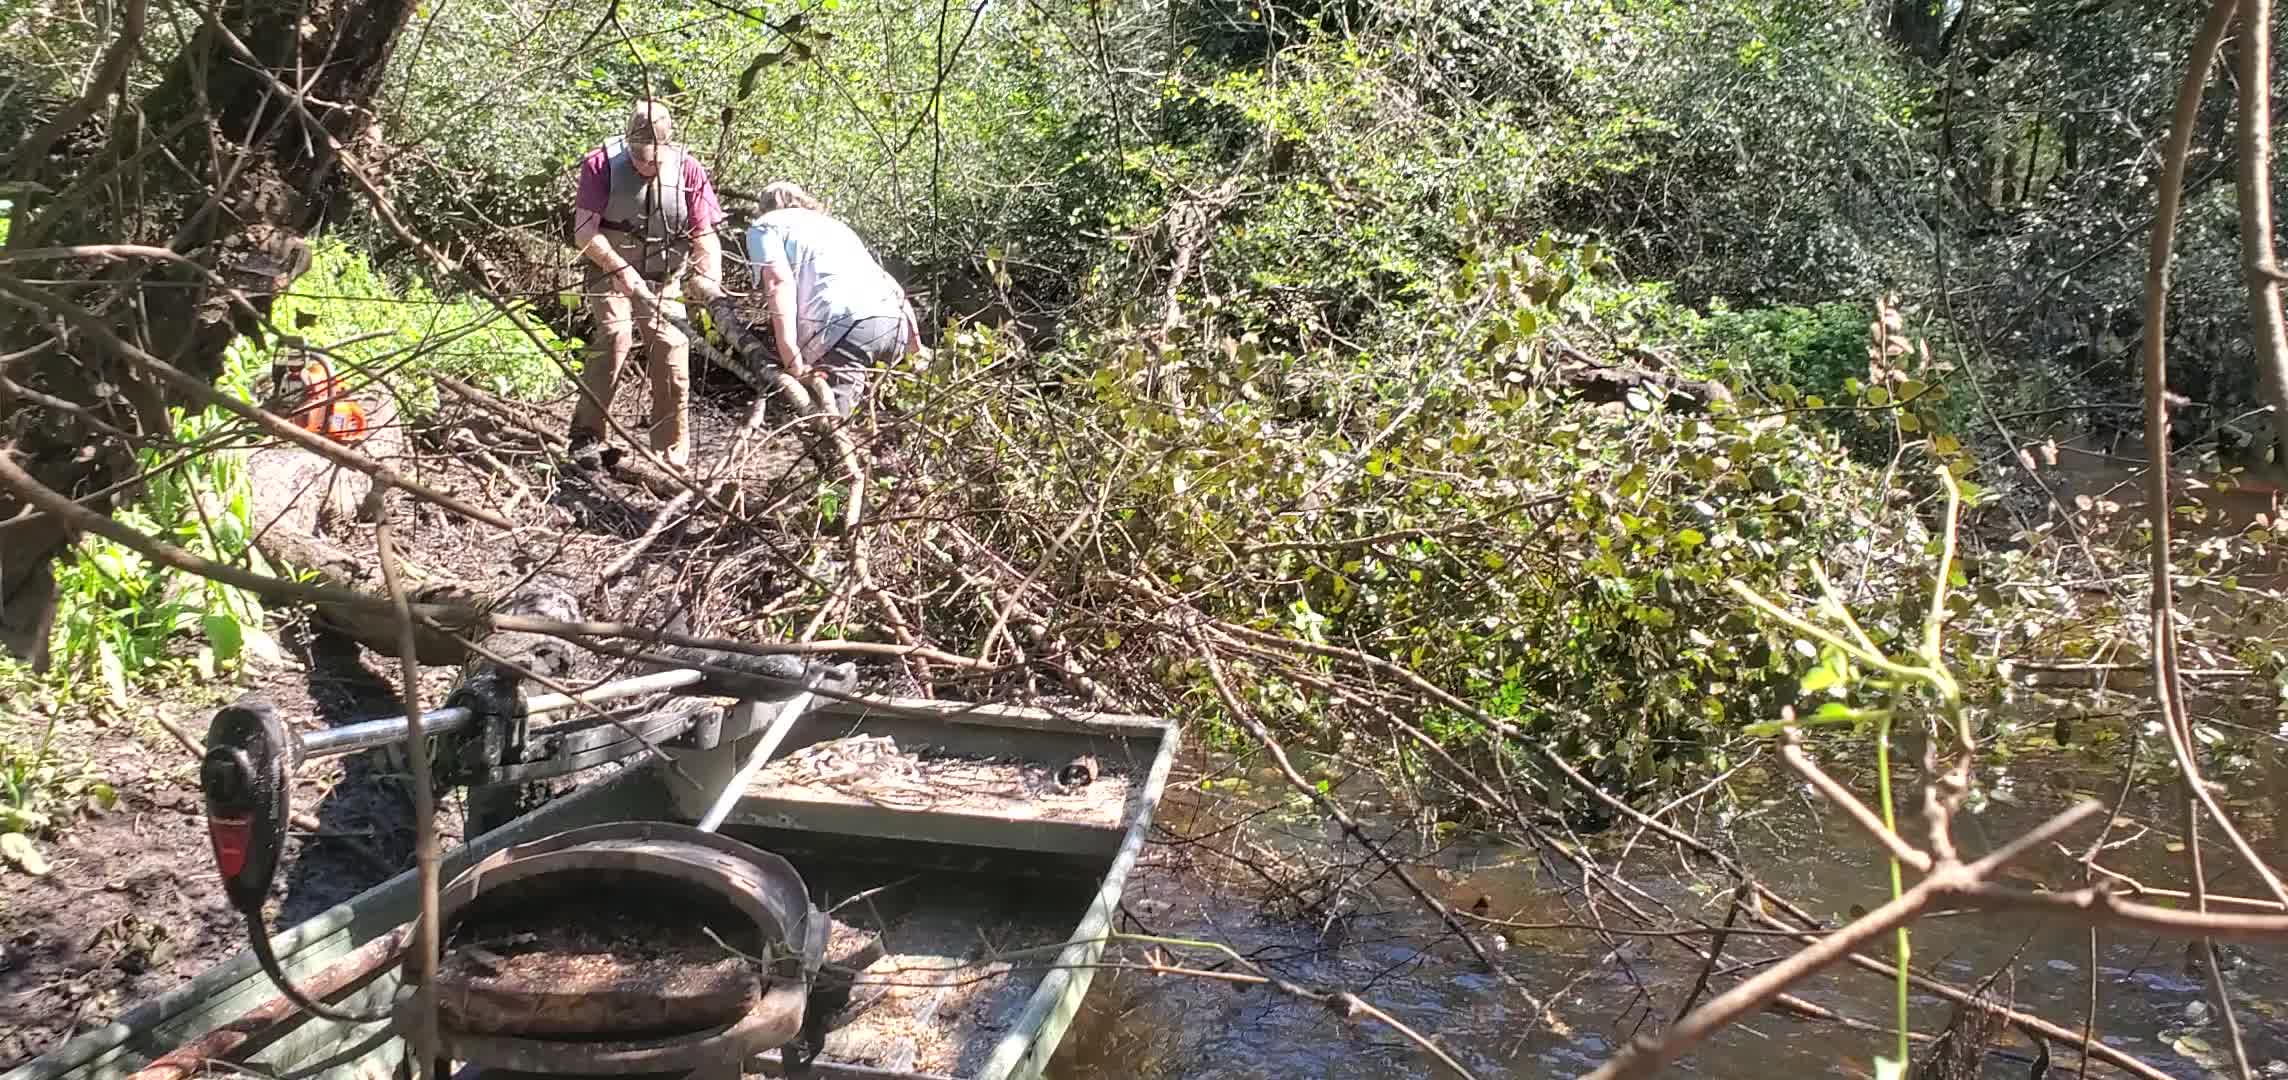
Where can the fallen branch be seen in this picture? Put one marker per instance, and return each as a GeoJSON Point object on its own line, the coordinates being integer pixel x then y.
{"type": "Point", "coordinates": [1805, 927]}
{"type": "Point", "coordinates": [635, 470]}
{"type": "Point", "coordinates": [446, 617]}
{"type": "Point", "coordinates": [1247, 719]}
{"type": "Point", "coordinates": [2168, 686]}
{"type": "Point", "coordinates": [1342, 1003]}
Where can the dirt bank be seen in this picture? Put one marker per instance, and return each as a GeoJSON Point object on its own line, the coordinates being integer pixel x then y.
{"type": "Point", "coordinates": [132, 906]}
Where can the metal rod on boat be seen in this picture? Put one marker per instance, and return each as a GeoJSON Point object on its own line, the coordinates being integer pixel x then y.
{"type": "Point", "coordinates": [367, 734]}
{"type": "Point", "coordinates": [777, 733]}
{"type": "Point", "coordinates": [543, 704]}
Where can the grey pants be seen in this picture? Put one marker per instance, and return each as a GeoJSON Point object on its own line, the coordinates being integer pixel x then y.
{"type": "Point", "coordinates": [870, 342]}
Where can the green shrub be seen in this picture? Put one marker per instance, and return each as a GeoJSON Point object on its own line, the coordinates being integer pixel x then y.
{"type": "Point", "coordinates": [42, 789]}
{"type": "Point", "coordinates": [1563, 565]}
{"type": "Point", "coordinates": [118, 614]}
{"type": "Point", "coordinates": [410, 334]}
{"type": "Point", "coordinates": [1817, 350]}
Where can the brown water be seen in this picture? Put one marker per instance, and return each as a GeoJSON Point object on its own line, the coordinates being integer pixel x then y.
{"type": "Point", "coordinates": [1388, 951]}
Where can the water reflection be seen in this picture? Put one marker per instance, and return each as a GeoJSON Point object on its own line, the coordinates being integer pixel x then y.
{"type": "Point", "coordinates": [1364, 935]}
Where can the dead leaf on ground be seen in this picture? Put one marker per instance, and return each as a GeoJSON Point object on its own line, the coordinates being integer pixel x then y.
{"type": "Point", "coordinates": [19, 849]}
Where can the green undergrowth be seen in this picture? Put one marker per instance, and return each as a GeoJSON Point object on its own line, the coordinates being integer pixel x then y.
{"type": "Point", "coordinates": [123, 620]}
{"type": "Point", "coordinates": [1359, 433]}
{"type": "Point", "coordinates": [1440, 502]}
{"type": "Point", "coordinates": [395, 334]}
{"type": "Point", "coordinates": [45, 785]}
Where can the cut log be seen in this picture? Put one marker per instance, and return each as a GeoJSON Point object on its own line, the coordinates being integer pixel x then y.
{"type": "Point", "coordinates": [1604, 384]}
{"type": "Point", "coordinates": [1591, 379]}
{"type": "Point", "coordinates": [300, 493]}
{"type": "Point", "coordinates": [520, 653]}
{"type": "Point", "coordinates": [301, 501]}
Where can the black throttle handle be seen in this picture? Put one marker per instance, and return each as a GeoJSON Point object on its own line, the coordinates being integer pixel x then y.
{"type": "Point", "coordinates": [244, 776]}
{"type": "Point", "coordinates": [247, 778]}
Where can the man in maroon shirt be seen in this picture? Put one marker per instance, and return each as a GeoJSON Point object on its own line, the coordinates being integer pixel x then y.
{"type": "Point", "coordinates": [645, 220]}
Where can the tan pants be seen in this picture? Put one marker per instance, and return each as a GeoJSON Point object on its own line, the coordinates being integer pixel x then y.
{"type": "Point", "coordinates": [668, 360]}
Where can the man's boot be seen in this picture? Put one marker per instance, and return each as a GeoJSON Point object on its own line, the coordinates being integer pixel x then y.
{"type": "Point", "coordinates": [587, 451]}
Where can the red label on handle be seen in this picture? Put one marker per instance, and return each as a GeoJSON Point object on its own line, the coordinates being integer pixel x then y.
{"type": "Point", "coordinates": [232, 837]}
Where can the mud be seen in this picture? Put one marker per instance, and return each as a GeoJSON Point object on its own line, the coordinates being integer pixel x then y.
{"type": "Point", "coordinates": [133, 907]}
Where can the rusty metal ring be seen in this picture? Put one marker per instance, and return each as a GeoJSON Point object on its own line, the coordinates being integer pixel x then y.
{"type": "Point", "coordinates": [774, 1021]}
{"type": "Point", "coordinates": [761, 886]}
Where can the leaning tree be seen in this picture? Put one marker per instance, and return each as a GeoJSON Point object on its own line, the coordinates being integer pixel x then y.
{"type": "Point", "coordinates": [154, 215]}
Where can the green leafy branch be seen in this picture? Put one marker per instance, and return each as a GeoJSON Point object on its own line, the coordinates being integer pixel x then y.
{"type": "Point", "coordinates": [1846, 643]}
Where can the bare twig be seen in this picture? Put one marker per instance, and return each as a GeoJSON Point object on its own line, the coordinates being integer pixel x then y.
{"type": "Point", "coordinates": [1345, 1004]}
{"type": "Point", "coordinates": [1247, 719]}
{"type": "Point", "coordinates": [1791, 751]}
{"type": "Point", "coordinates": [422, 1024]}
{"type": "Point", "coordinates": [2272, 347]}
{"type": "Point", "coordinates": [109, 74]}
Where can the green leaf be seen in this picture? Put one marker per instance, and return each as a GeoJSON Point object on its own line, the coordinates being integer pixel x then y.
{"type": "Point", "coordinates": [223, 633]}
{"type": "Point", "coordinates": [1878, 396]}
{"type": "Point", "coordinates": [1690, 538]}
{"type": "Point", "coordinates": [755, 68]}
{"type": "Point", "coordinates": [18, 819]}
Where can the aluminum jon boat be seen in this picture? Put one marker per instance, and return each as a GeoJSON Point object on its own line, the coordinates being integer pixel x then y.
{"type": "Point", "coordinates": [968, 862]}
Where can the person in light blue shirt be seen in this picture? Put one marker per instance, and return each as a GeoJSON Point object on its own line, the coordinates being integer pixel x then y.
{"type": "Point", "coordinates": [834, 311]}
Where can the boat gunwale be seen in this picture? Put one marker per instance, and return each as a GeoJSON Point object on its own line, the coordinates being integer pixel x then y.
{"type": "Point", "coordinates": [1021, 1052]}
{"type": "Point", "coordinates": [1025, 1050]}
{"type": "Point", "coordinates": [297, 950]}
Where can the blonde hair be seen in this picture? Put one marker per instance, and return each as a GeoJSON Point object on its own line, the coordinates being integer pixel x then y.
{"type": "Point", "coordinates": [649, 121]}
{"type": "Point", "coordinates": [786, 194]}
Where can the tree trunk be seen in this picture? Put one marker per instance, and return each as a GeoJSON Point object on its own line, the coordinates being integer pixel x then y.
{"type": "Point", "coordinates": [2267, 331]}
{"type": "Point", "coordinates": [214, 163]}
{"type": "Point", "coordinates": [1922, 28]}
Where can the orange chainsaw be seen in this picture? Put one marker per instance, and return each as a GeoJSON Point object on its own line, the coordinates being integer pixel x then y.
{"type": "Point", "coordinates": [320, 402]}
